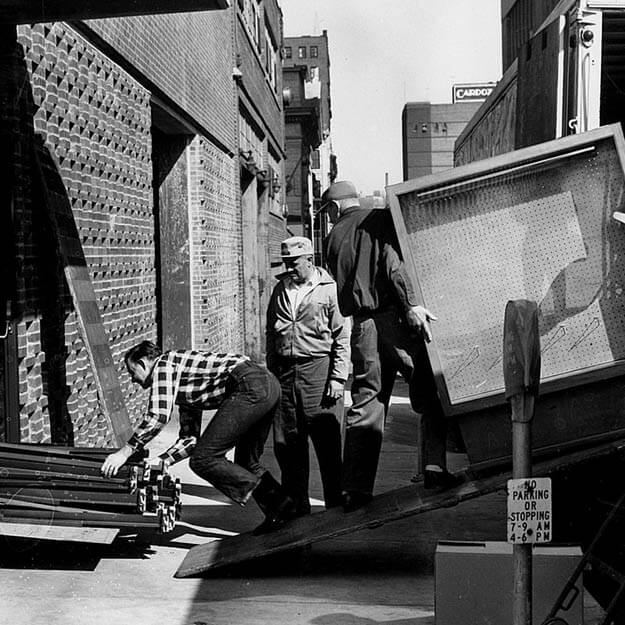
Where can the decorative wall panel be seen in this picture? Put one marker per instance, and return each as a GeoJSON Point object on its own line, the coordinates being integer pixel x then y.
{"type": "Point", "coordinates": [94, 121]}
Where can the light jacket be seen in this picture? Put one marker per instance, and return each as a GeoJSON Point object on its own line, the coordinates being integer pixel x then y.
{"type": "Point", "coordinates": [316, 329]}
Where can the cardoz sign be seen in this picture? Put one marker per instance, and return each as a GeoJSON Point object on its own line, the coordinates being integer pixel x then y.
{"type": "Point", "coordinates": [472, 93]}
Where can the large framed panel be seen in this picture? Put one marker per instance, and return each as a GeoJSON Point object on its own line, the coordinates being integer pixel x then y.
{"type": "Point", "coordinates": [531, 224]}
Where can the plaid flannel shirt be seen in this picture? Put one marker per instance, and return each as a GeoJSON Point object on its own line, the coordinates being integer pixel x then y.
{"type": "Point", "coordinates": [194, 381]}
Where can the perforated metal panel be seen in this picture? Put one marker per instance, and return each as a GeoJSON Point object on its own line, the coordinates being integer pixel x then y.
{"type": "Point", "coordinates": [533, 224]}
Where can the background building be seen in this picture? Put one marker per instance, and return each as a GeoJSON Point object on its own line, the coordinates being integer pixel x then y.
{"type": "Point", "coordinates": [312, 53]}
{"type": "Point", "coordinates": [303, 137]}
{"type": "Point", "coordinates": [429, 131]}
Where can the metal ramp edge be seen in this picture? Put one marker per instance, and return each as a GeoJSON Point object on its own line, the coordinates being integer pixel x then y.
{"type": "Point", "coordinates": [384, 508]}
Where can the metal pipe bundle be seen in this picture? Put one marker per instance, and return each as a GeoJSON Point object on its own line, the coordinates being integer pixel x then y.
{"type": "Point", "coordinates": [48, 484]}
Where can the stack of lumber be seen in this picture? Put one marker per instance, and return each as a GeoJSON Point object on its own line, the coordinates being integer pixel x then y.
{"type": "Point", "coordinates": [53, 485]}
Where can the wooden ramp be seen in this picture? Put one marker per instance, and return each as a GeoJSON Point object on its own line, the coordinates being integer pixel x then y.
{"type": "Point", "coordinates": [389, 506]}
{"type": "Point", "coordinates": [62, 533]}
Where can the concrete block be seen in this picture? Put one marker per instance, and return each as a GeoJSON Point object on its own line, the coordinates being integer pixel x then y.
{"type": "Point", "coordinates": [474, 582]}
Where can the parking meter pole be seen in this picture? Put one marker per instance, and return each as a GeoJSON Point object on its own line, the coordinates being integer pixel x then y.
{"type": "Point", "coordinates": [522, 407]}
{"type": "Point", "coordinates": [521, 351]}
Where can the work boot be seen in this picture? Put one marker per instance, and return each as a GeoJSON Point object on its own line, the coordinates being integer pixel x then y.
{"type": "Point", "coordinates": [277, 506]}
{"type": "Point", "coordinates": [440, 480]}
{"type": "Point", "coordinates": [352, 500]}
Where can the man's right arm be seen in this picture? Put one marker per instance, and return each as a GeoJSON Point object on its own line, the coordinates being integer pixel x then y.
{"type": "Point", "coordinates": [162, 397]}
{"type": "Point", "coordinates": [270, 333]}
{"type": "Point", "coordinates": [115, 461]}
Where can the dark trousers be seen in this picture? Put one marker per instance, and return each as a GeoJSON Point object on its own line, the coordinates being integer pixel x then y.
{"type": "Point", "coordinates": [305, 413]}
{"type": "Point", "coordinates": [381, 347]}
{"type": "Point", "coordinates": [242, 421]}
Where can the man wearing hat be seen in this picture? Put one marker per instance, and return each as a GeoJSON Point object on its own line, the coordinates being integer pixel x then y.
{"type": "Point", "coordinates": [308, 351]}
{"type": "Point", "coordinates": [388, 334]}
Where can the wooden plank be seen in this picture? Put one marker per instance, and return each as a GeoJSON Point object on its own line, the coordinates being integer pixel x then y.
{"type": "Point", "coordinates": [390, 506]}
{"type": "Point", "coordinates": [88, 499]}
{"type": "Point", "coordinates": [47, 473]}
{"type": "Point", "coordinates": [84, 453]}
{"type": "Point", "coordinates": [77, 464]}
{"type": "Point", "coordinates": [249, 212]}
{"type": "Point", "coordinates": [54, 466]}
{"type": "Point", "coordinates": [32, 11]}
{"type": "Point", "coordinates": [96, 535]}
{"type": "Point", "coordinates": [6, 504]}
{"type": "Point", "coordinates": [27, 512]}
{"type": "Point", "coordinates": [63, 227]}
{"type": "Point", "coordinates": [64, 485]}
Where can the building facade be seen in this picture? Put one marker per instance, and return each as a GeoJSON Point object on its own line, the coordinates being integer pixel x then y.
{"type": "Point", "coordinates": [303, 137]}
{"type": "Point", "coordinates": [564, 76]}
{"type": "Point", "coordinates": [312, 52]}
{"type": "Point", "coordinates": [130, 131]}
{"type": "Point", "coordinates": [519, 19]}
{"type": "Point", "coordinates": [429, 132]}
{"type": "Point", "coordinates": [259, 36]}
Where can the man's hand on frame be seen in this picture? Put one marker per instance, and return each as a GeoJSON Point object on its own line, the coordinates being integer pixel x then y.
{"type": "Point", "coordinates": [418, 318]}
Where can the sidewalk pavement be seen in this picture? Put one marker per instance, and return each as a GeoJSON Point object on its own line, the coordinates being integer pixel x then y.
{"type": "Point", "coordinates": [383, 576]}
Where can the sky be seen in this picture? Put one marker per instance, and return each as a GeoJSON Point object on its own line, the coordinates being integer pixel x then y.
{"type": "Point", "coordinates": [384, 53]}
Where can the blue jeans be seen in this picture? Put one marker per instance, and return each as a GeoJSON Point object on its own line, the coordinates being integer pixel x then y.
{"type": "Point", "coordinates": [242, 421]}
{"type": "Point", "coordinates": [382, 345]}
{"type": "Point", "coordinates": [304, 413]}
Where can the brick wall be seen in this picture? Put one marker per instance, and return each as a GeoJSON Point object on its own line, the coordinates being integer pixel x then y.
{"type": "Point", "coordinates": [89, 105]}
{"type": "Point", "coordinates": [193, 69]}
{"type": "Point", "coordinates": [263, 100]}
{"type": "Point", "coordinates": [94, 121]}
{"type": "Point", "coordinates": [216, 250]}
{"type": "Point", "coordinates": [188, 57]}
{"type": "Point", "coordinates": [267, 100]}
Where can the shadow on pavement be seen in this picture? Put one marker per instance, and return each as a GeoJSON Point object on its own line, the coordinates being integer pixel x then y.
{"type": "Point", "coordinates": [24, 553]}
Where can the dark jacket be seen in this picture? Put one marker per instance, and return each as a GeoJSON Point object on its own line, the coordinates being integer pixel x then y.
{"type": "Point", "coordinates": [363, 256]}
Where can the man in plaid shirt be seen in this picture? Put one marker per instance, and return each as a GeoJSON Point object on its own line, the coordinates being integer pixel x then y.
{"type": "Point", "coordinates": [246, 397]}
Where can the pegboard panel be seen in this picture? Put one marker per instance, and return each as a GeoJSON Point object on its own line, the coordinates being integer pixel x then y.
{"type": "Point", "coordinates": [536, 224]}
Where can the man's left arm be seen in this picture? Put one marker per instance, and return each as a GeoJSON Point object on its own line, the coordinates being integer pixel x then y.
{"type": "Point", "coordinates": [188, 435]}
{"type": "Point", "coordinates": [340, 328]}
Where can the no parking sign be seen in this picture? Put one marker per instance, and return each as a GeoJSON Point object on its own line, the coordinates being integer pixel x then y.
{"type": "Point", "coordinates": [529, 510]}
